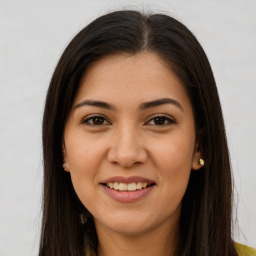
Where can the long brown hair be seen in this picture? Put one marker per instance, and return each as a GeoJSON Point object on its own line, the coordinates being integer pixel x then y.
{"type": "Point", "coordinates": [205, 222]}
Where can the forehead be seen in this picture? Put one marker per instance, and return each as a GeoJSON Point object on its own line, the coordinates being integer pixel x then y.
{"type": "Point", "coordinates": [131, 78]}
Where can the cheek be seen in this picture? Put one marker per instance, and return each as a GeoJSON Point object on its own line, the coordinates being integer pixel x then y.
{"type": "Point", "coordinates": [84, 159]}
{"type": "Point", "coordinates": [174, 152]}
{"type": "Point", "coordinates": [83, 180]}
{"type": "Point", "coordinates": [173, 159]}
{"type": "Point", "coordinates": [83, 152]}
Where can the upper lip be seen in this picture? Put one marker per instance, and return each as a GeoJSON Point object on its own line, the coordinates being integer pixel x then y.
{"type": "Point", "coordinates": [131, 179]}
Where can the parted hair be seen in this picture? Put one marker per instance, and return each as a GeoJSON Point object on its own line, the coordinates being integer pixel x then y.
{"type": "Point", "coordinates": [206, 215]}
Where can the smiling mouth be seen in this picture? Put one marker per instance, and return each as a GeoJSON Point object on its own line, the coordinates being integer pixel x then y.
{"type": "Point", "coordinates": [133, 186]}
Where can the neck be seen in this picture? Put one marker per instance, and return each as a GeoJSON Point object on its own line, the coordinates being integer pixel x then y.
{"type": "Point", "coordinates": [160, 241]}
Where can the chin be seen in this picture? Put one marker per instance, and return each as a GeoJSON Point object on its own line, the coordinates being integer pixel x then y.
{"type": "Point", "coordinates": [128, 229]}
{"type": "Point", "coordinates": [129, 225]}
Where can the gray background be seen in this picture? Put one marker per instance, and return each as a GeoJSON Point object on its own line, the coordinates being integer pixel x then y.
{"type": "Point", "coordinates": [33, 34]}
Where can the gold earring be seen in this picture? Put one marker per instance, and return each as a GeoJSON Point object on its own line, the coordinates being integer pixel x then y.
{"type": "Point", "coordinates": [201, 161]}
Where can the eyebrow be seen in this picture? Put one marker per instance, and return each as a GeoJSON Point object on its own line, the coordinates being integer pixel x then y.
{"type": "Point", "coordinates": [96, 103]}
{"type": "Point", "coordinates": [160, 102]}
{"type": "Point", "coordinates": [143, 106]}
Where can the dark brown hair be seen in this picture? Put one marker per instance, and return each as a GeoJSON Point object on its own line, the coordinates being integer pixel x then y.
{"type": "Point", "coordinates": [205, 222]}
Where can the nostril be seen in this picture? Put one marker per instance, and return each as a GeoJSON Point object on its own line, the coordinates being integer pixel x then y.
{"type": "Point", "coordinates": [127, 156]}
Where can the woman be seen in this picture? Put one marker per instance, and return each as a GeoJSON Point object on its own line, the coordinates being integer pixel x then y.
{"type": "Point", "coordinates": [135, 152]}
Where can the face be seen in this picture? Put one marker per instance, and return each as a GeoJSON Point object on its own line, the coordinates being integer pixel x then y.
{"type": "Point", "coordinates": [130, 143]}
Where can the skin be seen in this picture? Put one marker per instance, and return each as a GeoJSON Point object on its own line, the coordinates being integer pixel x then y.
{"type": "Point", "coordinates": [129, 141]}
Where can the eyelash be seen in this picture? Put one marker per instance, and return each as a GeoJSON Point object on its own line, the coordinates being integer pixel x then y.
{"type": "Point", "coordinates": [91, 118]}
{"type": "Point", "coordinates": [162, 119]}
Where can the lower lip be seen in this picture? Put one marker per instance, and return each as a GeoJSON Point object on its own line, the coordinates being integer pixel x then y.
{"type": "Point", "coordinates": [127, 196]}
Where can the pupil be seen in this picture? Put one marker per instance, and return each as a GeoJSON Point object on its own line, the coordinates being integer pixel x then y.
{"type": "Point", "coordinates": [98, 120]}
{"type": "Point", "coordinates": [160, 120]}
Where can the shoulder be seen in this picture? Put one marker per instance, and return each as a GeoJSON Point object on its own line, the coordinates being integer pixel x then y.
{"type": "Point", "coordinates": [244, 250]}
{"type": "Point", "coordinates": [89, 253]}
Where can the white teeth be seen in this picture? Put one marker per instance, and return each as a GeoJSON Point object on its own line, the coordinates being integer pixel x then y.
{"type": "Point", "coordinates": [123, 186]}
{"type": "Point", "coordinates": [116, 185]}
{"type": "Point", "coordinates": [131, 186]}
{"type": "Point", "coordinates": [139, 185]}
{"type": "Point", "coordinates": [127, 187]}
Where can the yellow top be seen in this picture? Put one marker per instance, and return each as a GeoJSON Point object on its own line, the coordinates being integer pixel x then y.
{"type": "Point", "coordinates": [242, 250]}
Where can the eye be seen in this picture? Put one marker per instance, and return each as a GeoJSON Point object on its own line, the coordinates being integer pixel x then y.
{"type": "Point", "coordinates": [160, 121]}
{"type": "Point", "coordinates": [96, 120]}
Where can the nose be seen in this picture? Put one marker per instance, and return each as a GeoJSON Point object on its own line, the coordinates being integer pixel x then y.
{"type": "Point", "coordinates": [127, 149]}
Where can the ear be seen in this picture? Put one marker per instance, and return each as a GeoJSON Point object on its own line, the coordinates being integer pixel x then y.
{"type": "Point", "coordinates": [196, 165]}
{"type": "Point", "coordinates": [65, 160]}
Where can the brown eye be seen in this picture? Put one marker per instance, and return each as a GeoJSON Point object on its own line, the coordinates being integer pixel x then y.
{"type": "Point", "coordinates": [160, 121]}
{"type": "Point", "coordinates": [96, 120]}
